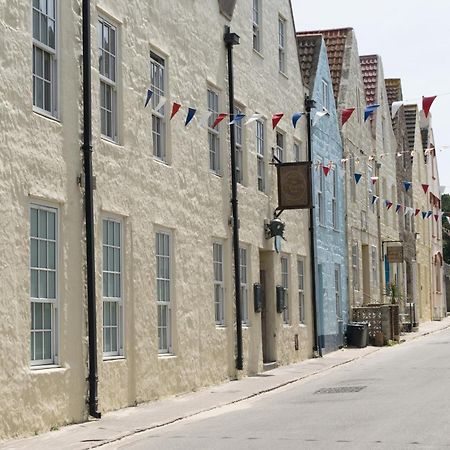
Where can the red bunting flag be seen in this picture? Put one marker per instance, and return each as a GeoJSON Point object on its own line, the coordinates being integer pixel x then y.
{"type": "Point", "coordinates": [346, 114]}
{"type": "Point", "coordinates": [175, 108]}
{"type": "Point", "coordinates": [425, 187]}
{"type": "Point", "coordinates": [436, 217]}
{"type": "Point", "coordinates": [426, 104]}
{"type": "Point", "coordinates": [388, 204]}
{"type": "Point", "coordinates": [417, 212]}
{"type": "Point", "coordinates": [275, 119]}
{"type": "Point", "coordinates": [219, 119]}
{"type": "Point", "coordinates": [374, 179]}
{"type": "Point", "coordinates": [326, 169]}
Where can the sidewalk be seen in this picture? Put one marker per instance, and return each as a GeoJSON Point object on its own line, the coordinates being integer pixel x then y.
{"type": "Point", "coordinates": [126, 422]}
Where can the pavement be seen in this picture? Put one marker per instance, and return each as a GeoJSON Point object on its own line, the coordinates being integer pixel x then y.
{"type": "Point", "coordinates": [117, 425]}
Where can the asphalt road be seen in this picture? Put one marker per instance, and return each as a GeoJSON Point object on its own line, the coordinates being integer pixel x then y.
{"type": "Point", "coordinates": [397, 398]}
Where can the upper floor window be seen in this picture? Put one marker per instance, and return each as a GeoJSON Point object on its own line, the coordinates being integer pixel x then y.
{"type": "Point", "coordinates": [281, 45]}
{"type": "Point", "coordinates": [107, 40]}
{"type": "Point", "coordinates": [257, 25]}
{"type": "Point", "coordinates": [301, 289]}
{"type": "Point", "coordinates": [334, 194]}
{"type": "Point", "coordinates": [158, 86]}
{"type": "Point", "coordinates": [355, 265]}
{"type": "Point", "coordinates": [374, 266]}
{"type": "Point", "coordinates": [43, 284]}
{"type": "Point", "coordinates": [213, 133]}
{"type": "Point", "coordinates": [297, 151]}
{"type": "Point", "coordinates": [239, 147]}
{"type": "Point", "coordinates": [219, 309]}
{"type": "Point", "coordinates": [285, 285]}
{"type": "Point", "coordinates": [325, 95]}
{"type": "Point", "coordinates": [260, 155]}
{"type": "Point", "coordinates": [244, 281]}
{"type": "Point", "coordinates": [320, 196]}
{"type": "Point", "coordinates": [112, 288]}
{"type": "Point", "coordinates": [352, 178]}
{"type": "Point", "coordinates": [280, 146]}
{"type": "Point", "coordinates": [44, 55]}
{"type": "Point", "coordinates": [337, 290]}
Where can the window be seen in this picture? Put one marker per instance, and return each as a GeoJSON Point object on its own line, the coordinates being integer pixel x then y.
{"type": "Point", "coordinates": [239, 152]}
{"type": "Point", "coordinates": [352, 178]}
{"type": "Point", "coordinates": [107, 36]}
{"type": "Point", "coordinates": [44, 55]}
{"type": "Point", "coordinates": [158, 86]}
{"type": "Point", "coordinates": [112, 288]}
{"type": "Point", "coordinates": [213, 133]}
{"type": "Point", "coordinates": [386, 197]}
{"type": "Point", "coordinates": [334, 209]}
{"type": "Point", "coordinates": [337, 290]}
{"type": "Point", "coordinates": [164, 291]}
{"type": "Point", "coordinates": [281, 45]}
{"type": "Point", "coordinates": [43, 284]}
{"type": "Point", "coordinates": [374, 266]}
{"type": "Point", "coordinates": [320, 197]}
{"type": "Point", "coordinates": [325, 95]}
{"type": "Point", "coordinates": [285, 284]}
{"type": "Point", "coordinates": [257, 25]}
{"type": "Point", "coordinates": [358, 105]}
{"type": "Point", "coordinates": [218, 284]}
{"type": "Point", "coordinates": [364, 220]}
{"type": "Point", "coordinates": [371, 188]}
{"type": "Point", "coordinates": [355, 266]}
{"type": "Point", "coordinates": [244, 287]}
{"type": "Point", "coordinates": [260, 155]}
{"type": "Point", "coordinates": [297, 151]}
{"type": "Point", "coordinates": [279, 152]}
{"type": "Point", "coordinates": [301, 290]}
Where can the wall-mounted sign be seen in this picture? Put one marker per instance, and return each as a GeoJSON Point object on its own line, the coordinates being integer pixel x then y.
{"type": "Point", "coordinates": [227, 7]}
{"type": "Point", "coordinates": [294, 185]}
{"type": "Point", "coordinates": [394, 254]}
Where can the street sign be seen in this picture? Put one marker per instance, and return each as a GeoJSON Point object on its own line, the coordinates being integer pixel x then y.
{"type": "Point", "coordinates": [395, 254]}
{"type": "Point", "coordinates": [294, 185]}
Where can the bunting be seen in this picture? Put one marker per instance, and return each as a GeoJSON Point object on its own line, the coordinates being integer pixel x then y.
{"type": "Point", "coordinates": [424, 214]}
{"type": "Point", "coordinates": [370, 110]}
{"type": "Point", "coordinates": [346, 114]}
{"type": "Point", "coordinates": [319, 115]}
{"type": "Point", "coordinates": [326, 169]}
{"type": "Point", "coordinates": [190, 116]}
{"type": "Point", "coordinates": [149, 96]}
{"type": "Point", "coordinates": [357, 177]}
{"type": "Point", "coordinates": [276, 118]}
{"type": "Point", "coordinates": [407, 185]}
{"type": "Point", "coordinates": [426, 104]}
{"type": "Point", "coordinates": [395, 107]}
{"type": "Point", "coordinates": [397, 208]}
{"type": "Point", "coordinates": [175, 108]}
{"type": "Point", "coordinates": [417, 212]}
{"type": "Point", "coordinates": [388, 204]}
{"type": "Point", "coordinates": [374, 199]}
{"type": "Point", "coordinates": [295, 117]}
{"type": "Point", "coordinates": [219, 119]}
{"type": "Point", "coordinates": [425, 187]}
{"type": "Point", "coordinates": [236, 119]}
{"type": "Point", "coordinates": [254, 118]}
{"type": "Point", "coordinates": [374, 179]}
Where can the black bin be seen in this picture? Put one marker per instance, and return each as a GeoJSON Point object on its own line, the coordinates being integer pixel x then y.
{"type": "Point", "coordinates": [357, 334]}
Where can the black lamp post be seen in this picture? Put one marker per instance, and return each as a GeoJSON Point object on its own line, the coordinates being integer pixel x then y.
{"type": "Point", "coordinates": [232, 39]}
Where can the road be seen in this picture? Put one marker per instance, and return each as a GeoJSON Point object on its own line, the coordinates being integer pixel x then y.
{"type": "Point", "coordinates": [397, 398]}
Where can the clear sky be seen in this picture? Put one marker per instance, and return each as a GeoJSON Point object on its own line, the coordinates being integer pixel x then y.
{"type": "Point", "coordinates": [413, 39]}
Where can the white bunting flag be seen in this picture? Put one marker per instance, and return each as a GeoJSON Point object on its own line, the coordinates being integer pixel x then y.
{"type": "Point", "coordinates": [203, 120]}
{"type": "Point", "coordinates": [162, 102]}
{"type": "Point", "coordinates": [253, 118]}
{"type": "Point", "coordinates": [319, 115]}
{"type": "Point", "coordinates": [395, 108]}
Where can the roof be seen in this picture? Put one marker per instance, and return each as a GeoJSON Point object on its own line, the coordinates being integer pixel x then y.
{"type": "Point", "coordinates": [308, 47]}
{"type": "Point", "coordinates": [369, 69]}
{"type": "Point", "coordinates": [393, 90]}
{"type": "Point", "coordinates": [335, 41]}
{"type": "Point", "coordinates": [411, 112]}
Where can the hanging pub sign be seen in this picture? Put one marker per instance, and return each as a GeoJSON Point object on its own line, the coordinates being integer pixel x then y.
{"type": "Point", "coordinates": [395, 254]}
{"type": "Point", "coordinates": [294, 185]}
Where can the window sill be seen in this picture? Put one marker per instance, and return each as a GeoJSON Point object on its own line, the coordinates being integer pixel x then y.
{"type": "Point", "coordinates": [47, 368]}
{"type": "Point", "coordinates": [114, 358]}
{"type": "Point", "coordinates": [46, 114]}
{"type": "Point", "coordinates": [216, 174]}
{"type": "Point", "coordinates": [302, 325]}
{"type": "Point", "coordinates": [257, 52]}
{"type": "Point", "coordinates": [111, 141]}
{"type": "Point", "coordinates": [163, 356]}
{"type": "Point", "coordinates": [220, 326]}
{"type": "Point", "coordinates": [283, 74]}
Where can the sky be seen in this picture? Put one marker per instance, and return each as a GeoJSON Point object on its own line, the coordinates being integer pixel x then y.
{"type": "Point", "coordinates": [412, 37]}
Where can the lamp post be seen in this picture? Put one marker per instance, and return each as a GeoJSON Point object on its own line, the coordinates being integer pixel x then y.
{"type": "Point", "coordinates": [232, 39]}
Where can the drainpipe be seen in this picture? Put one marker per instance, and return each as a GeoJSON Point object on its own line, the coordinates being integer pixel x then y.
{"type": "Point", "coordinates": [232, 39]}
{"type": "Point", "coordinates": [89, 212]}
{"type": "Point", "coordinates": [309, 103]}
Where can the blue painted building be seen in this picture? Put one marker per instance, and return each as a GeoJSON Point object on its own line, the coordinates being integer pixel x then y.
{"type": "Point", "coordinates": [329, 225]}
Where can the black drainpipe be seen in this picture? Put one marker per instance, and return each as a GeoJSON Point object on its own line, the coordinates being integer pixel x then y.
{"type": "Point", "coordinates": [89, 212]}
{"type": "Point", "coordinates": [309, 103]}
{"type": "Point", "coordinates": [232, 39]}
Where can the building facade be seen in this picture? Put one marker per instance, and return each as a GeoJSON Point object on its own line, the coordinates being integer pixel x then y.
{"type": "Point", "coordinates": [163, 268]}
{"type": "Point", "coordinates": [328, 194]}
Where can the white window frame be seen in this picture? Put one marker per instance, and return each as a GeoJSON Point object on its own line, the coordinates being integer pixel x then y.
{"type": "Point", "coordinates": [297, 147]}
{"type": "Point", "coordinates": [352, 177]}
{"type": "Point", "coordinates": [213, 133]}
{"type": "Point", "coordinates": [108, 81]}
{"type": "Point", "coordinates": [256, 20]}
{"type": "Point", "coordinates": [334, 200]}
{"type": "Point", "coordinates": [321, 196]}
{"type": "Point", "coordinates": [355, 265]}
{"type": "Point", "coordinates": [43, 47]}
{"type": "Point", "coordinates": [358, 111]}
{"type": "Point", "coordinates": [279, 149]}
{"type": "Point", "coordinates": [301, 289]}
{"type": "Point", "coordinates": [158, 83]}
{"type": "Point", "coordinates": [218, 283]}
{"type": "Point", "coordinates": [284, 264]}
{"type": "Point", "coordinates": [112, 294]}
{"type": "Point", "coordinates": [239, 144]}
{"type": "Point", "coordinates": [325, 95]}
{"type": "Point", "coordinates": [260, 155]}
{"type": "Point", "coordinates": [374, 262]}
{"type": "Point", "coordinates": [164, 289]}
{"type": "Point", "coordinates": [371, 187]}
{"type": "Point", "coordinates": [338, 290]}
{"type": "Point", "coordinates": [42, 272]}
{"type": "Point", "coordinates": [243, 272]}
{"type": "Point", "coordinates": [282, 25]}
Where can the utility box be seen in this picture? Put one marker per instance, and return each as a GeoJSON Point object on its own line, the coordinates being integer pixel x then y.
{"type": "Point", "coordinates": [281, 299]}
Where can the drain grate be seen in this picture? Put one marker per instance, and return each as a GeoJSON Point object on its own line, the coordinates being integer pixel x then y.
{"type": "Point", "coordinates": [340, 390]}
